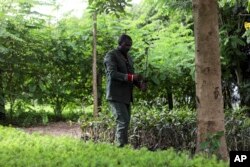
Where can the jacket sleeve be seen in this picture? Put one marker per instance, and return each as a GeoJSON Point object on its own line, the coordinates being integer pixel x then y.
{"type": "Point", "coordinates": [111, 68]}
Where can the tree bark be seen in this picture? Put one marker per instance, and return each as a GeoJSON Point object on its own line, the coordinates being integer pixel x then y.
{"type": "Point", "coordinates": [209, 99]}
{"type": "Point", "coordinates": [95, 88]}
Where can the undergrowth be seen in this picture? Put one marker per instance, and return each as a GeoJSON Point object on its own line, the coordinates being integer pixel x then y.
{"type": "Point", "coordinates": [161, 129]}
{"type": "Point", "coordinates": [23, 150]}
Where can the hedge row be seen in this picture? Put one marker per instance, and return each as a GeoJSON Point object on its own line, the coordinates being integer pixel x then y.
{"type": "Point", "coordinates": [23, 150]}
{"type": "Point", "coordinates": [162, 129]}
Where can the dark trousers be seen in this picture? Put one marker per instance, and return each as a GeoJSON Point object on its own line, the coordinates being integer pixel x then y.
{"type": "Point", "coordinates": [122, 114]}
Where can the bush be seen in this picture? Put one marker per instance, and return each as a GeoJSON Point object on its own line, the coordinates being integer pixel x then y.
{"type": "Point", "coordinates": [237, 130]}
{"type": "Point", "coordinates": [26, 115]}
{"type": "Point", "coordinates": [161, 129]}
{"type": "Point", "coordinates": [24, 150]}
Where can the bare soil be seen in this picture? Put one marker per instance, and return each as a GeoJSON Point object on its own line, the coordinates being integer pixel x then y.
{"type": "Point", "coordinates": [57, 129]}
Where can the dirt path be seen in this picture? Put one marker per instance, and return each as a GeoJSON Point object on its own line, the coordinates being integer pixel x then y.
{"type": "Point", "coordinates": [57, 129]}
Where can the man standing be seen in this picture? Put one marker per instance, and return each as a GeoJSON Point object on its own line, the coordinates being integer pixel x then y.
{"type": "Point", "coordinates": [120, 81]}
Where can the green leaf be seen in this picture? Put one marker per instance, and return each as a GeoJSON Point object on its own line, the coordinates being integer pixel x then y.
{"type": "Point", "coordinates": [42, 86]}
{"type": "Point", "coordinates": [32, 88]}
{"type": "Point", "coordinates": [155, 80]}
{"type": "Point", "coordinates": [163, 76]}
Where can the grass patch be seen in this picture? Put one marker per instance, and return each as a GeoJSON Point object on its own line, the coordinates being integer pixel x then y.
{"type": "Point", "coordinates": [24, 150]}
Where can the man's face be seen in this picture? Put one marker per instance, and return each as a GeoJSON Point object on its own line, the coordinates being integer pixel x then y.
{"type": "Point", "coordinates": [126, 45]}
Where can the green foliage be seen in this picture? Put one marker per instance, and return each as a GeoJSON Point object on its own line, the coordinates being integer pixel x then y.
{"type": "Point", "coordinates": [234, 48]}
{"type": "Point", "coordinates": [158, 128]}
{"type": "Point", "coordinates": [211, 144]}
{"type": "Point", "coordinates": [51, 63]}
{"type": "Point", "coordinates": [20, 149]}
{"type": "Point", "coordinates": [245, 89]}
{"type": "Point", "coordinates": [59, 72]}
{"type": "Point", "coordinates": [247, 35]}
{"type": "Point", "coordinates": [108, 6]}
{"type": "Point", "coordinates": [26, 115]}
{"type": "Point", "coordinates": [237, 129]}
{"type": "Point", "coordinates": [43, 62]}
{"type": "Point", "coordinates": [29, 118]}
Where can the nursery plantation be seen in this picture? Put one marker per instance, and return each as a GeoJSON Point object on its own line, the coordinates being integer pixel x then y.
{"type": "Point", "coordinates": [189, 69]}
{"type": "Point", "coordinates": [20, 149]}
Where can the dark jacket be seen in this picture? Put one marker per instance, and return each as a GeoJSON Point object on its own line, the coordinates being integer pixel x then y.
{"type": "Point", "coordinates": [117, 67]}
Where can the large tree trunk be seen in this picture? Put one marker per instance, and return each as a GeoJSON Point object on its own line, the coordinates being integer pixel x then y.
{"type": "Point", "coordinates": [95, 88]}
{"type": "Point", "coordinates": [210, 115]}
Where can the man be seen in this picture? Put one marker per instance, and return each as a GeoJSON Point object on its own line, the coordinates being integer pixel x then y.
{"type": "Point", "coordinates": [120, 81]}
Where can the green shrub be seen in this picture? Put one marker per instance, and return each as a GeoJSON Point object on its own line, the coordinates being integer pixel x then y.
{"type": "Point", "coordinates": [161, 129]}
{"type": "Point", "coordinates": [29, 118]}
{"type": "Point", "coordinates": [237, 130]}
{"type": "Point", "coordinates": [23, 150]}
{"type": "Point", "coordinates": [27, 115]}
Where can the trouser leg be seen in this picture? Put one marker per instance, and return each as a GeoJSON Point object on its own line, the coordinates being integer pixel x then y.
{"type": "Point", "coordinates": [122, 114]}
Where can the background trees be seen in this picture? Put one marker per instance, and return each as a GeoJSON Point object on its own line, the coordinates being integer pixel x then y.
{"type": "Point", "coordinates": [34, 51]}
{"type": "Point", "coordinates": [235, 50]}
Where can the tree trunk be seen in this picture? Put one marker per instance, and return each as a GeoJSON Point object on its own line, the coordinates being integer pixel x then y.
{"type": "Point", "coordinates": [58, 109]}
{"type": "Point", "coordinates": [2, 100]}
{"type": "Point", "coordinates": [209, 100]}
{"type": "Point", "coordinates": [99, 88]}
{"type": "Point", "coordinates": [170, 98]}
{"type": "Point", "coordinates": [95, 88]}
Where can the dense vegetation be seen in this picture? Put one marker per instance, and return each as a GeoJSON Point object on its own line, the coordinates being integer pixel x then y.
{"type": "Point", "coordinates": [48, 62]}
{"type": "Point", "coordinates": [21, 149]}
{"type": "Point", "coordinates": [162, 129]}
{"type": "Point", "coordinates": [45, 75]}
